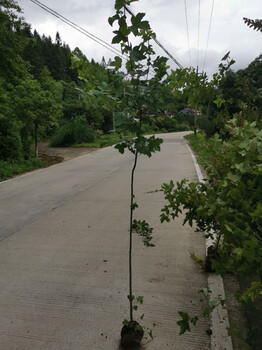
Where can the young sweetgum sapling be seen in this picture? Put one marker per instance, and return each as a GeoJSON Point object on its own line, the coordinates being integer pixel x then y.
{"type": "Point", "coordinates": [140, 98]}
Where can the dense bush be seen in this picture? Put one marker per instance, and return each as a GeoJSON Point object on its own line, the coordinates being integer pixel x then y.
{"type": "Point", "coordinates": [10, 139]}
{"type": "Point", "coordinates": [166, 123]}
{"type": "Point", "coordinates": [162, 124]}
{"type": "Point", "coordinates": [74, 131]}
{"type": "Point", "coordinates": [207, 125]}
{"type": "Point", "coordinates": [182, 118]}
{"type": "Point", "coordinates": [229, 204]}
{"type": "Point", "coordinates": [12, 167]}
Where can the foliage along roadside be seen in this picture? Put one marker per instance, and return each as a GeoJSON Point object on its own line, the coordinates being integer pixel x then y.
{"type": "Point", "coordinates": [37, 72]}
{"type": "Point", "coordinates": [228, 204]}
{"type": "Point", "coordinates": [13, 168]}
{"type": "Point", "coordinates": [227, 207]}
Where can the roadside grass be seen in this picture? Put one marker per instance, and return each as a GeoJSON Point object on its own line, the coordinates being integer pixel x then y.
{"type": "Point", "coordinates": [203, 147]}
{"type": "Point", "coordinates": [9, 169]}
{"type": "Point", "coordinates": [111, 139]}
{"type": "Point", "coordinates": [104, 140]}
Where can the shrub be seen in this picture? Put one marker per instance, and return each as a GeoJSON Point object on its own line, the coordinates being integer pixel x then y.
{"type": "Point", "coordinates": [170, 124]}
{"type": "Point", "coordinates": [166, 123]}
{"type": "Point", "coordinates": [10, 139]}
{"type": "Point", "coordinates": [74, 131]}
{"type": "Point", "coordinates": [207, 125]}
{"type": "Point", "coordinates": [12, 167]}
{"type": "Point", "coordinates": [182, 118]}
{"type": "Point", "coordinates": [229, 204]}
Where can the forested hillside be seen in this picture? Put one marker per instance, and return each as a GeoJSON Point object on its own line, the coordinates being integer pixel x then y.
{"type": "Point", "coordinates": [38, 85]}
{"type": "Point", "coordinates": [41, 96]}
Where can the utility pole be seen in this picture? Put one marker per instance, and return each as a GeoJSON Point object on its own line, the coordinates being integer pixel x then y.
{"type": "Point", "coordinates": [195, 112]}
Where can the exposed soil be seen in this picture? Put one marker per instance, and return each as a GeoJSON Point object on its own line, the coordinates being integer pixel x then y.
{"type": "Point", "coordinates": [131, 337]}
{"type": "Point", "coordinates": [53, 155]}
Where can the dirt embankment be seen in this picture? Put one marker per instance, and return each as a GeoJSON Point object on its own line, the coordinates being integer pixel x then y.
{"type": "Point", "coordinates": [60, 154]}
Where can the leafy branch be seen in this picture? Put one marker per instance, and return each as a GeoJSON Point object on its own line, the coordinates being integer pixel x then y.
{"type": "Point", "coordinates": [186, 320]}
{"type": "Point", "coordinates": [254, 24]}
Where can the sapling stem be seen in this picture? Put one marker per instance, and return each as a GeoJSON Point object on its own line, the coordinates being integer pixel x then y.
{"type": "Point", "coordinates": [131, 238]}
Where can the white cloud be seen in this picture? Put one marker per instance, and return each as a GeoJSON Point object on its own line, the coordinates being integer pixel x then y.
{"type": "Point", "coordinates": [167, 18]}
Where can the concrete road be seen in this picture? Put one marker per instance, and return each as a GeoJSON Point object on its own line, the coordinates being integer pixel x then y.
{"type": "Point", "coordinates": [64, 263]}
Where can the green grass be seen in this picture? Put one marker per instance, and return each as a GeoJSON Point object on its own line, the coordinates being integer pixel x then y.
{"type": "Point", "coordinates": [203, 146]}
{"type": "Point", "coordinates": [105, 140]}
{"type": "Point", "coordinates": [9, 169]}
{"type": "Point", "coordinates": [111, 139]}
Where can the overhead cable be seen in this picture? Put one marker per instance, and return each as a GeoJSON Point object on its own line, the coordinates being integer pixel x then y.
{"type": "Point", "coordinates": [82, 30]}
{"type": "Point", "coordinates": [188, 42]}
{"type": "Point", "coordinates": [158, 43]}
{"type": "Point", "coordinates": [209, 29]}
{"type": "Point", "coordinates": [78, 28]}
{"type": "Point", "coordinates": [198, 31]}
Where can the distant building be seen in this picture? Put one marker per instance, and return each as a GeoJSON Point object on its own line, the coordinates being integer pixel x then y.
{"type": "Point", "coordinates": [190, 111]}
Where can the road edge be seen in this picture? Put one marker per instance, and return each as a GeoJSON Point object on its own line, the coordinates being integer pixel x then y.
{"type": "Point", "coordinates": [219, 316]}
{"type": "Point", "coordinates": [53, 165]}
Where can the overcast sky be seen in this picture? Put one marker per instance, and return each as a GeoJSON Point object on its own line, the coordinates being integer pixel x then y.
{"type": "Point", "coordinates": [168, 20]}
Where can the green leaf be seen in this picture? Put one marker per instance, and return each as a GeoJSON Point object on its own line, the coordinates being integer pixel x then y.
{"type": "Point", "coordinates": [119, 4]}
{"type": "Point", "coordinates": [226, 56]}
{"type": "Point", "coordinates": [184, 323]}
{"type": "Point", "coordinates": [213, 303]}
{"type": "Point", "coordinates": [206, 312]}
{"type": "Point", "coordinates": [194, 320]}
{"type": "Point", "coordinates": [119, 37]}
{"type": "Point", "coordinates": [228, 228]}
{"type": "Point", "coordinates": [137, 19]}
{"type": "Point", "coordinates": [138, 23]}
{"type": "Point", "coordinates": [206, 291]}
{"type": "Point", "coordinates": [123, 29]}
{"type": "Point", "coordinates": [134, 206]}
{"type": "Point", "coordinates": [137, 54]}
{"type": "Point", "coordinates": [238, 251]}
{"type": "Point", "coordinates": [138, 327]}
{"type": "Point", "coordinates": [240, 167]}
{"type": "Point", "coordinates": [117, 63]}
{"type": "Point", "coordinates": [121, 147]}
{"type": "Point", "coordinates": [112, 19]}
{"type": "Point", "coordinates": [140, 299]}
{"type": "Point", "coordinates": [125, 323]}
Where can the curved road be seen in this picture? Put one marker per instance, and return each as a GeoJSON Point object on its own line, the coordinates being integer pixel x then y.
{"type": "Point", "coordinates": [63, 254]}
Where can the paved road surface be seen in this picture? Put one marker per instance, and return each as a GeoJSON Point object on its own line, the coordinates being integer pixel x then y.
{"type": "Point", "coordinates": [63, 255]}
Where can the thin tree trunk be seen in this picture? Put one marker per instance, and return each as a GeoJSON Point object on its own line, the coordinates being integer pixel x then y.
{"type": "Point", "coordinates": [195, 120]}
{"type": "Point", "coordinates": [131, 238]}
{"type": "Point", "coordinates": [36, 139]}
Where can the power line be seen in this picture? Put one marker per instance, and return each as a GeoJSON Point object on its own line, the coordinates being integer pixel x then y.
{"type": "Point", "coordinates": [198, 31]}
{"type": "Point", "coordinates": [209, 29]}
{"type": "Point", "coordinates": [78, 28]}
{"type": "Point", "coordinates": [158, 43]}
{"type": "Point", "coordinates": [81, 30]}
{"type": "Point", "coordinates": [189, 53]}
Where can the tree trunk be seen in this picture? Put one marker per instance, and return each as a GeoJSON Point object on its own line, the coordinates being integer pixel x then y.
{"type": "Point", "coordinates": [131, 239]}
{"type": "Point", "coordinates": [36, 139]}
{"type": "Point", "coordinates": [195, 120]}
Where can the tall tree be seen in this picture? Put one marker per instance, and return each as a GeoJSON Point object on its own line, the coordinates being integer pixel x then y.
{"type": "Point", "coordinates": [38, 105]}
{"type": "Point", "coordinates": [13, 68]}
